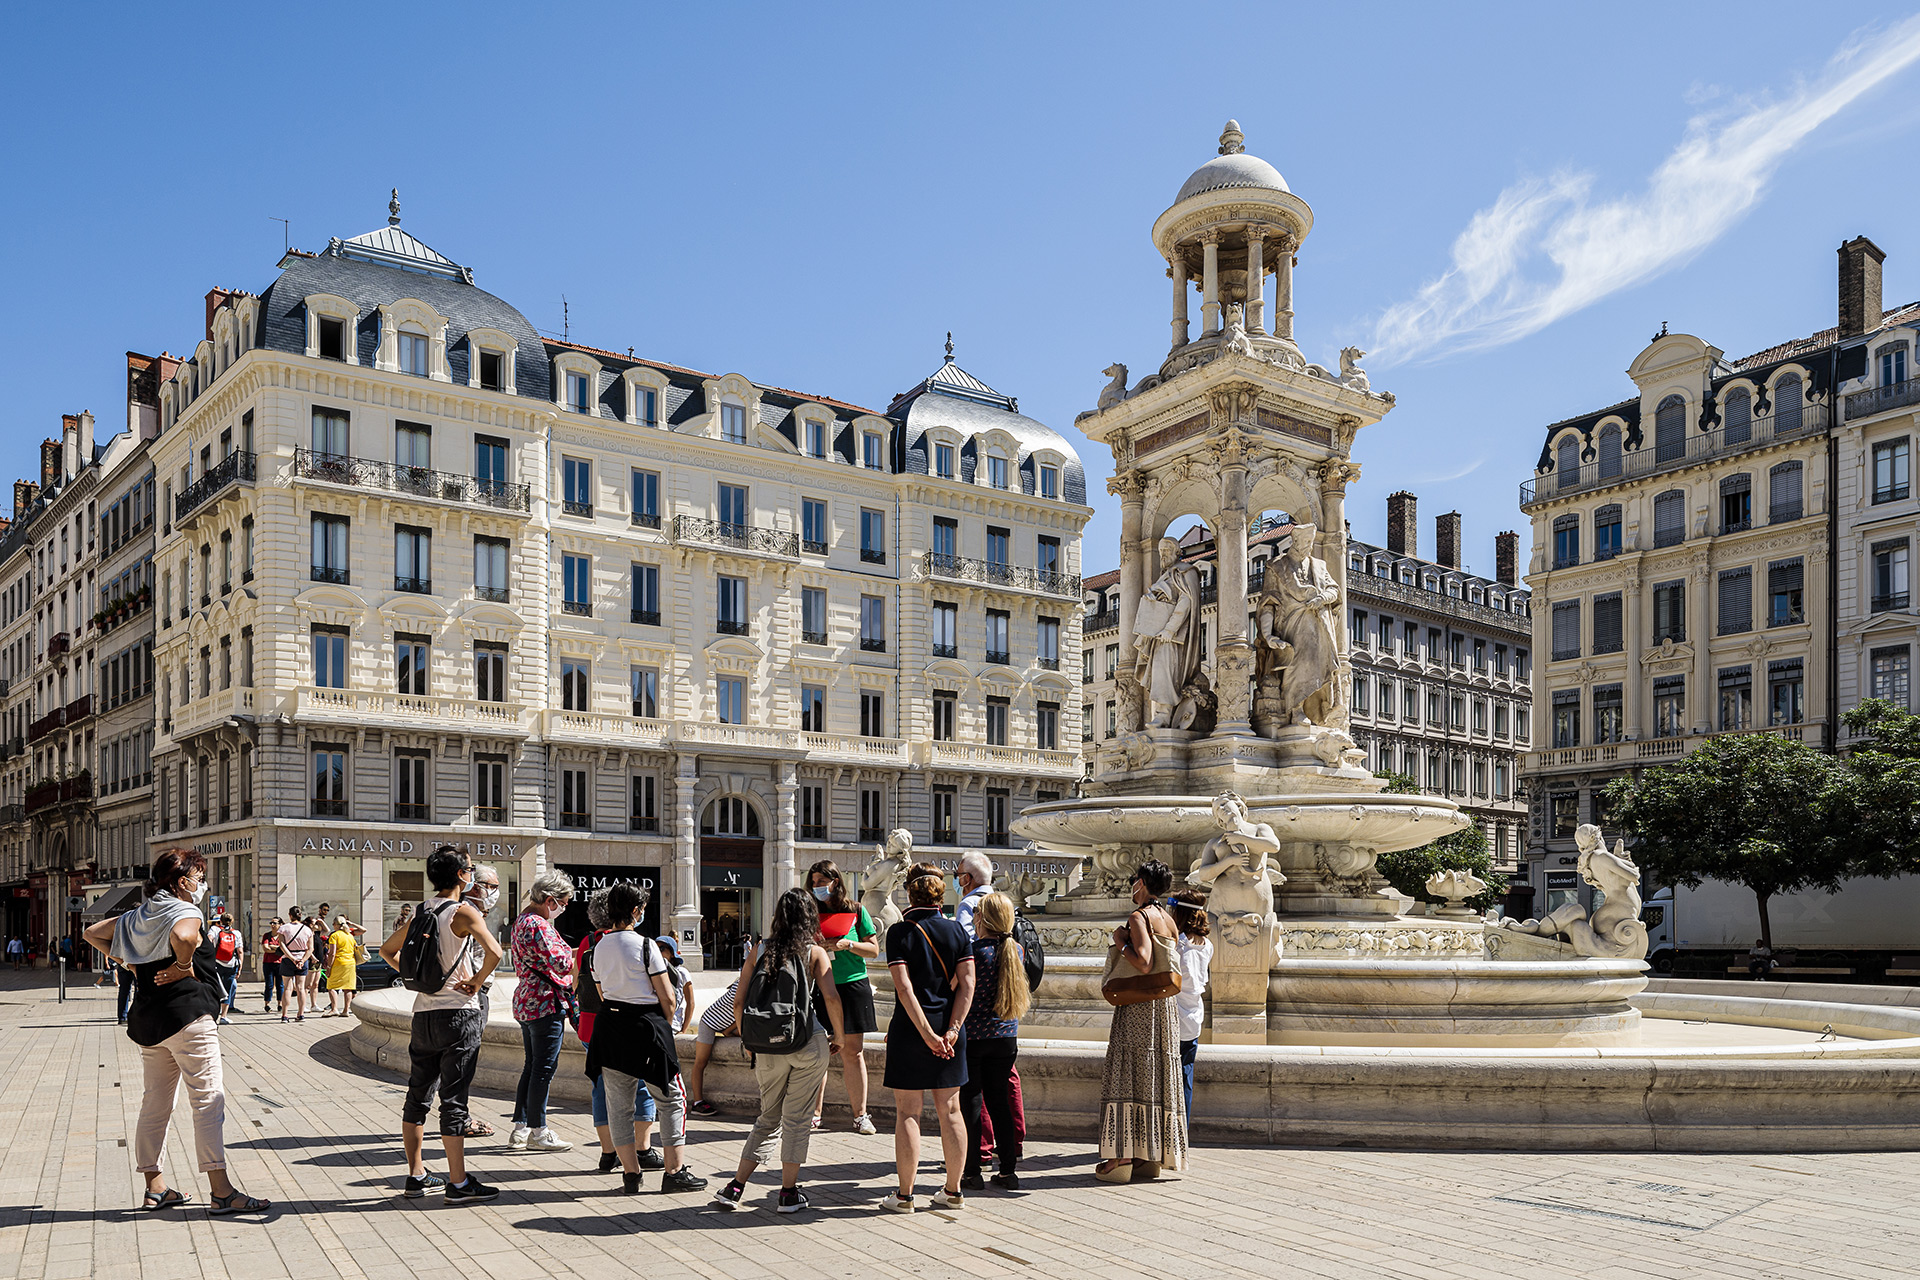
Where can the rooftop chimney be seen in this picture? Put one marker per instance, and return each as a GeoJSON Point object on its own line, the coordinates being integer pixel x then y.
{"type": "Point", "coordinates": [1506, 558]}
{"type": "Point", "coordinates": [1860, 260]}
{"type": "Point", "coordinates": [50, 463]}
{"type": "Point", "coordinates": [1446, 540]}
{"type": "Point", "coordinates": [216, 299]}
{"type": "Point", "coordinates": [1403, 528]}
{"type": "Point", "coordinates": [24, 494]}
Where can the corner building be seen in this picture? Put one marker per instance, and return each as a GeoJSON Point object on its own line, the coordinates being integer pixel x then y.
{"type": "Point", "coordinates": [425, 575]}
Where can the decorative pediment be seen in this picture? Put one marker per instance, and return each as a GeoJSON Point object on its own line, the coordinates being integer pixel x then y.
{"type": "Point", "coordinates": [331, 605]}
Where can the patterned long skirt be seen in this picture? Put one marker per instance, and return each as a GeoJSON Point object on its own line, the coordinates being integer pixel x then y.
{"type": "Point", "coordinates": [1142, 1109]}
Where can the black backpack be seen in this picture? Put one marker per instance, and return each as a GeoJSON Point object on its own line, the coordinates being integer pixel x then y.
{"type": "Point", "coordinates": [1033, 951]}
{"type": "Point", "coordinates": [777, 1014]}
{"type": "Point", "coordinates": [421, 968]}
{"type": "Point", "coordinates": [587, 987]}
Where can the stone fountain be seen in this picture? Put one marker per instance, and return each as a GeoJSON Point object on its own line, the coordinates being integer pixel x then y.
{"type": "Point", "coordinates": [1234, 764]}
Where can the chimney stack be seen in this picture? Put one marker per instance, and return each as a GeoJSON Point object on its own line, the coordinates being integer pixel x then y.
{"type": "Point", "coordinates": [1446, 540]}
{"type": "Point", "coordinates": [1403, 527]}
{"type": "Point", "coordinates": [1506, 558]}
{"type": "Point", "coordinates": [50, 463]}
{"type": "Point", "coordinates": [1860, 260]}
{"type": "Point", "coordinates": [24, 494]}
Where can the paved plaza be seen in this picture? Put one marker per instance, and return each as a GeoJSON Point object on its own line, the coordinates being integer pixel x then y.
{"type": "Point", "coordinates": [316, 1130]}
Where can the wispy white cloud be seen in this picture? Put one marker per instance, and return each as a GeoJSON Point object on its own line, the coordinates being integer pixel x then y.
{"type": "Point", "coordinates": [1545, 248]}
{"type": "Point", "coordinates": [1461, 474]}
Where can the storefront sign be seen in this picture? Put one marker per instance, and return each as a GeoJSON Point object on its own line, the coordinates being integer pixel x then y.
{"type": "Point", "coordinates": [402, 846]}
{"type": "Point", "coordinates": [214, 848]}
{"type": "Point", "coordinates": [1018, 866]}
{"type": "Point", "coordinates": [730, 877]}
{"type": "Point", "coordinates": [589, 880]}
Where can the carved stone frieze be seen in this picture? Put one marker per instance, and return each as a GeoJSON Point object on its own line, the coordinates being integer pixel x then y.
{"type": "Point", "coordinates": [1438, 941]}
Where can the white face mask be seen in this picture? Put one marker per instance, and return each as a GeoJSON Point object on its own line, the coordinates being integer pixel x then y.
{"type": "Point", "coordinates": [488, 896]}
{"type": "Point", "coordinates": [823, 892]}
{"type": "Point", "coordinates": [198, 894]}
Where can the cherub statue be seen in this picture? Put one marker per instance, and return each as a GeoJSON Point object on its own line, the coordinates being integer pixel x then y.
{"type": "Point", "coordinates": [1615, 931]}
{"type": "Point", "coordinates": [1234, 868]}
{"type": "Point", "coordinates": [883, 876]}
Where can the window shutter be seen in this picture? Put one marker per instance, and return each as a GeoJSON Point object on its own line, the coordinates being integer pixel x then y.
{"type": "Point", "coordinates": [1736, 601]}
{"type": "Point", "coordinates": [1609, 452]}
{"type": "Point", "coordinates": [1742, 483]}
{"type": "Point", "coordinates": [1670, 430]}
{"type": "Point", "coordinates": [1786, 406]}
{"type": "Point", "coordinates": [1785, 575]}
{"type": "Point", "coordinates": [1669, 519]}
{"type": "Point", "coordinates": [1606, 624]}
{"type": "Point", "coordinates": [1783, 492]}
{"type": "Point", "coordinates": [1566, 630]}
{"type": "Point", "coordinates": [1738, 417]}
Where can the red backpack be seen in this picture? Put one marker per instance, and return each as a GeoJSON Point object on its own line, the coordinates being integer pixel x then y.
{"type": "Point", "coordinates": [229, 943]}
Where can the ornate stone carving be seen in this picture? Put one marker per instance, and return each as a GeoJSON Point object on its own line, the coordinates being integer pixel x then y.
{"type": "Point", "coordinates": [1615, 931]}
{"type": "Point", "coordinates": [883, 875]}
{"type": "Point", "coordinates": [1437, 942]}
{"type": "Point", "coordinates": [1128, 483]}
{"type": "Point", "coordinates": [1337, 474]}
{"type": "Point", "coordinates": [1351, 375]}
{"type": "Point", "coordinates": [1116, 390]}
{"type": "Point", "coordinates": [1298, 625]}
{"type": "Point", "coordinates": [1235, 340]}
{"type": "Point", "coordinates": [1456, 887]}
{"type": "Point", "coordinates": [1233, 402]}
{"type": "Point", "coordinates": [1166, 635]}
{"type": "Point", "coordinates": [1235, 868]}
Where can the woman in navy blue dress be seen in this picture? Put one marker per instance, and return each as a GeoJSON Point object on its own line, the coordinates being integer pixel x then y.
{"type": "Point", "coordinates": [930, 959]}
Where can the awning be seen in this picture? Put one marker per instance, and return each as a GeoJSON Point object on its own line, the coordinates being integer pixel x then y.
{"type": "Point", "coordinates": [120, 898]}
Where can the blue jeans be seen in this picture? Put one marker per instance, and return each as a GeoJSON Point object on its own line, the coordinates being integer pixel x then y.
{"type": "Point", "coordinates": [126, 990]}
{"type": "Point", "coordinates": [276, 989]}
{"type": "Point", "coordinates": [230, 986]}
{"type": "Point", "coordinates": [541, 1040]}
{"type": "Point", "coordinates": [643, 1108]}
{"type": "Point", "coordinates": [1188, 1048]}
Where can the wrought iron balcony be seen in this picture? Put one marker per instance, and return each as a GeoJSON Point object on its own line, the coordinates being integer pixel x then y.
{"type": "Point", "coordinates": [1049, 664]}
{"type": "Point", "coordinates": [995, 574]}
{"type": "Point", "coordinates": [497, 595]}
{"type": "Point", "coordinates": [1107, 620]}
{"type": "Point", "coordinates": [869, 555]}
{"type": "Point", "coordinates": [728, 627]}
{"type": "Point", "coordinates": [1894, 600]}
{"type": "Point", "coordinates": [813, 831]}
{"type": "Point", "coordinates": [813, 637]}
{"type": "Point", "coordinates": [643, 822]}
{"type": "Point", "coordinates": [237, 467]}
{"type": "Point", "coordinates": [1699, 447]}
{"type": "Point", "coordinates": [740, 537]}
{"type": "Point", "coordinates": [418, 586]}
{"type": "Point", "coordinates": [1000, 656]}
{"type": "Point", "coordinates": [573, 508]}
{"type": "Point", "coordinates": [58, 645]}
{"type": "Point", "coordinates": [946, 650]}
{"type": "Point", "coordinates": [415, 482]}
{"type": "Point", "coordinates": [870, 645]}
{"type": "Point", "coordinates": [403, 812]}
{"type": "Point", "coordinates": [646, 520]}
{"type": "Point", "coordinates": [321, 573]}
{"type": "Point", "coordinates": [647, 617]}
{"type": "Point", "coordinates": [79, 709]}
{"type": "Point", "coordinates": [872, 833]}
{"type": "Point", "coordinates": [579, 608]}
{"type": "Point", "coordinates": [1862, 404]}
{"type": "Point", "coordinates": [813, 548]}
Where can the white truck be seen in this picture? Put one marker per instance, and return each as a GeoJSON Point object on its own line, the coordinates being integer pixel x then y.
{"type": "Point", "coordinates": [1867, 932]}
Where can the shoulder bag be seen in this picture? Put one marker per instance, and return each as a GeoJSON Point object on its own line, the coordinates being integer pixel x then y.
{"type": "Point", "coordinates": [1124, 984]}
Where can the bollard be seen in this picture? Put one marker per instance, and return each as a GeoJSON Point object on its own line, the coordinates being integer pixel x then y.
{"type": "Point", "coordinates": [63, 979]}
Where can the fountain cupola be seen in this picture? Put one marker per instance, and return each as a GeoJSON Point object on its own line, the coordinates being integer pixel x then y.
{"type": "Point", "coordinates": [1232, 226]}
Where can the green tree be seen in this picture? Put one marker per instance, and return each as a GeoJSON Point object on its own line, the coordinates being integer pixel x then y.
{"type": "Point", "coordinates": [1885, 763]}
{"type": "Point", "coordinates": [1770, 813]}
{"type": "Point", "coordinates": [1410, 869]}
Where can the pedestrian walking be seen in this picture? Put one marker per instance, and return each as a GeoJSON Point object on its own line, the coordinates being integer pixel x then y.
{"type": "Point", "coordinates": [15, 950]}
{"type": "Point", "coordinates": [1000, 1000]}
{"type": "Point", "coordinates": [633, 1038]}
{"type": "Point", "coordinates": [296, 948]}
{"type": "Point", "coordinates": [273, 977]}
{"type": "Point", "coordinates": [1143, 1128]}
{"type": "Point", "coordinates": [778, 982]}
{"type": "Point", "coordinates": [717, 1023]}
{"type": "Point", "coordinates": [931, 962]}
{"type": "Point", "coordinates": [123, 975]}
{"type": "Point", "coordinates": [542, 1001]}
{"type": "Point", "coordinates": [229, 949]}
{"type": "Point", "coordinates": [444, 1048]}
{"type": "Point", "coordinates": [588, 992]}
{"type": "Point", "coordinates": [851, 939]}
{"type": "Point", "coordinates": [165, 942]}
{"type": "Point", "coordinates": [343, 967]}
{"type": "Point", "coordinates": [1194, 959]}
{"type": "Point", "coordinates": [314, 981]}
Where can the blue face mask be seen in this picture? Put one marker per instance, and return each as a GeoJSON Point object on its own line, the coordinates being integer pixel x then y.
{"type": "Point", "coordinates": [823, 892]}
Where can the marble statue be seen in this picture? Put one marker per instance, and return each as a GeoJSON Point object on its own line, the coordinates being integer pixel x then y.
{"type": "Point", "coordinates": [1166, 636]}
{"type": "Point", "coordinates": [1115, 391]}
{"type": "Point", "coordinates": [1235, 339]}
{"type": "Point", "coordinates": [1455, 886]}
{"type": "Point", "coordinates": [1615, 930]}
{"type": "Point", "coordinates": [1300, 608]}
{"type": "Point", "coordinates": [883, 875]}
{"type": "Point", "coordinates": [1236, 870]}
{"type": "Point", "coordinates": [1351, 374]}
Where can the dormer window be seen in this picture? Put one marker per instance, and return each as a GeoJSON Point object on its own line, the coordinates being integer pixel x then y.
{"type": "Point", "coordinates": [493, 371]}
{"type": "Point", "coordinates": [333, 339]}
{"type": "Point", "coordinates": [1049, 482]}
{"type": "Point", "coordinates": [413, 353]}
{"type": "Point", "coordinates": [870, 454]}
{"type": "Point", "coordinates": [579, 392]}
{"type": "Point", "coordinates": [996, 471]}
{"type": "Point", "coordinates": [816, 438]}
{"type": "Point", "coordinates": [943, 461]}
{"type": "Point", "coordinates": [733, 423]}
{"type": "Point", "coordinates": [1893, 365]}
{"type": "Point", "coordinates": [646, 402]}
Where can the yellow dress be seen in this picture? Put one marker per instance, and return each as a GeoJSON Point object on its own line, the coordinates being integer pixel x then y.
{"type": "Point", "coordinates": [343, 974]}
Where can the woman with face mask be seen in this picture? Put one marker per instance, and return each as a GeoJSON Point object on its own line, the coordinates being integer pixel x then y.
{"type": "Point", "coordinates": [176, 997]}
{"type": "Point", "coordinates": [849, 935]}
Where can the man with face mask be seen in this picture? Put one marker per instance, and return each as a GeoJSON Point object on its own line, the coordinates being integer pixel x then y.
{"type": "Point", "coordinates": [483, 896]}
{"type": "Point", "coordinates": [975, 881]}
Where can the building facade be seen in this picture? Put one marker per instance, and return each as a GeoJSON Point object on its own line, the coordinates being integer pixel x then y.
{"type": "Point", "coordinates": [426, 576]}
{"type": "Point", "coordinates": [1682, 548]}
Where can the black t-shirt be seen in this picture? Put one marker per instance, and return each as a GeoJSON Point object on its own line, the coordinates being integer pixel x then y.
{"type": "Point", "coordinates": [932, 947]}
{"type": "Point", "coordinates": [157, 1013]}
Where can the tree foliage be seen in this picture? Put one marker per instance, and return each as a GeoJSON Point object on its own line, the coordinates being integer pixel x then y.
{"type": "Point", "coordinates": [1885, 764]}
{"type": "Point", "coordinates": [1410, 869]}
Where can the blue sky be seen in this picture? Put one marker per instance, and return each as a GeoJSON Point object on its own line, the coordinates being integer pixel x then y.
{"type": "Point", "coordinates": [1509, 200]}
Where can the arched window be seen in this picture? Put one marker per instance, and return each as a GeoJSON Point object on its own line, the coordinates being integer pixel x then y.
{"type": "Point", "coordinates": [1787, 401]}
{"type": "Point", "coordinates": [730, 816]}
{"type": "Point", "coordinates": [1669, 518]}
{"type": "Point", "coordinates": [1610, 451]}
{"type": "Point", "coordinates": [1738, 416]}
{"type": "Point", "coordinates": [1568, 470]}
{"type": "Point", "coordinates": [1670, 430]}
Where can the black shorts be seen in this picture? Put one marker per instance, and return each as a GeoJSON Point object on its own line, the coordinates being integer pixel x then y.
{"type": "Point", "coordinates": [856, 1007]}
{"type": "Point", "coordinates": [292, 968]}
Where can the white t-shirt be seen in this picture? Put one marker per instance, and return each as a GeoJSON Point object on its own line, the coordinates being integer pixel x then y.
{"type": "Point", "coordinates": [623, 962]}
{"type": "Point", "coordinates": [1192, 958]}
{"type": "Point", "coordinates": [298, 940]}
{"type": "Point", "coordinates": [460, 957]}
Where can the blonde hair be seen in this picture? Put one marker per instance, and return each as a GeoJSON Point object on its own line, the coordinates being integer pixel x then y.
{"type": "Point", "coordinates": [994, 918]}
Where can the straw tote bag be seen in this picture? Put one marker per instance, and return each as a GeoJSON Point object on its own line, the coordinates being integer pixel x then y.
{"type": "Point", "coordinates": [1124, 984]}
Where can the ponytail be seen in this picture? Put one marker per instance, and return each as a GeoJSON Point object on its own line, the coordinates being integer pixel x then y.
{"type": "Point", "coordinates": [994, 918]}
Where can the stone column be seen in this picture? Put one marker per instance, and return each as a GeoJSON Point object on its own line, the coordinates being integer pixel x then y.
{"type": "Point", "coordinates": [1210, 283]}
{"type": "Point", "coordinates": [787, 828]}
{"type": "Point", "coordinates": [1233, 656]}
{"type": "Point", "coordinates": [1177, 272]}
{"type": "Point", "coordinates": [1256, 280]}
{"type": "Point", "coordinates": [1129, 487]}
{"type": "Point", "coordinates": [1636, 627]}
{"type": "Point", "coordinates": [1700, 698]}
{"type": "Point", "coordinates": [1283, 290]}
{"type": "Point", "coordinates": [686, 868]}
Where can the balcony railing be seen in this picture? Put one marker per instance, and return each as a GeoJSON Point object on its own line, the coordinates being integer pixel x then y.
{"type": "Point", "coordinates": [643, 822]}
{"type": "Point", "coordinates": [646, 520]}
{"type": "Point", "coordinates": [813, 831]}
{"type": "Point", "coordinates": [74, 790]}
{"type": "Point", "coordinates": [1657, 749]}
{"type": "Point", "coordinates": [647, 617]}
{"type": "Point", "coordinates": [728, 627]}
{"type": "Point", "coordinates": [813, 548]}
{"type": "Point", "coordinates": [1049, 664]}
{"type": "Point", "coordinates": [58, 644]}
{"type": "Point", "coordinates": [489, 813]}
{"type": "Point", "coordinates": [1894, 600]}
{"type": "Point", "coordinates": [995, 574]}
{"type": "Point", "coordinates": [740, 537]}
{"type": "Point", "coordinates": [869, 555]}
{"type": "Point", "coordinates": [870, 645]}
{"type": "Point", "coordinates": [80, 708]}
{"type": "Point", "coordinates": [422, 712]}
{"type": "Point", "coordinates": [497, 595]}
{"type": "Point", "coordinates": [418, 586]}
{"type": "Point", "coordinates": [46, 724]}
{"type": "Point", "coordinates": [579, 608]}
{"type": "Point", "coordinates": [1699, 447]}
{"type": "Point", "coordinates": [946, 651]}
{"type": "Point", "coordinates": [813, 637]}
{"type": "Point", "coordinates": [1107, 620]}
{"type": "Point", "coordinates": [1000, 656]}
{"type": "Point", "coordinates": [237, 467]}
{"type": "Point", "coordinates": [415, 482]}
{"type": "Point", "coordinates": [321, 573]}
{"type": "Point", "coordinates": [1874, 400]}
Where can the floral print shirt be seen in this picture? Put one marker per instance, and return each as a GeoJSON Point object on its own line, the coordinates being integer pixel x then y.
{"type": "Point", "coordinates": [539, 954]}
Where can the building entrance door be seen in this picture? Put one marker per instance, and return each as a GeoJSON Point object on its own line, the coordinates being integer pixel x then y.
{"type": "Point", "coordinates": [726, 925]}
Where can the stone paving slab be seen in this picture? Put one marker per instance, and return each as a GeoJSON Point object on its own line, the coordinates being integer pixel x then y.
{"type": "Point", "coordinates": [315, 1130]}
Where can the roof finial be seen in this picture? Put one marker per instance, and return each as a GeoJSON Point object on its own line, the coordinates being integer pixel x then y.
{"type": "Point", "coordinates": [949, 359]}
{"type": "Point", "coordinates": [393, 209]}
{"type": "Point", "coordinates": [1232, 141]}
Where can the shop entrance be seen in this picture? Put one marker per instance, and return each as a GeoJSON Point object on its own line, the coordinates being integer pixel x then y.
{"type": "Point", "coordinates": [727, 914]}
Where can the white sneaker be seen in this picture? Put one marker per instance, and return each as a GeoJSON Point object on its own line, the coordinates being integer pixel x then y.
{"type": "Point", "coordinates": [944, 1199]}
{"type": "Point", "coordinates": [864, 1124]}
{"type": "Point", "coordinates": [544, 1140]}
{"type": "Point", "coordinates": [893, 1202]}
{"type": "Point", "coordinates": [518, 1138]}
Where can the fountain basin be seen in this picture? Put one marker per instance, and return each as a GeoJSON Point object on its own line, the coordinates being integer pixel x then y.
{"type": "Point", "coordinates": [1381, 822]}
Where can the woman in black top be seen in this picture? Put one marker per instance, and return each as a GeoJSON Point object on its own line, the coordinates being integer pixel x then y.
{"type": "Point", "coordinates": [931, 962]}
{"type": "Point", "coordinates": [175, 999]}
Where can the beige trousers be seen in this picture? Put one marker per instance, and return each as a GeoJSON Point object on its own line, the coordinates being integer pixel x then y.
{"type": "Point", "coordinates": [192, 1054]}
{"type": "Point", "coordinates": [788, 1083]}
